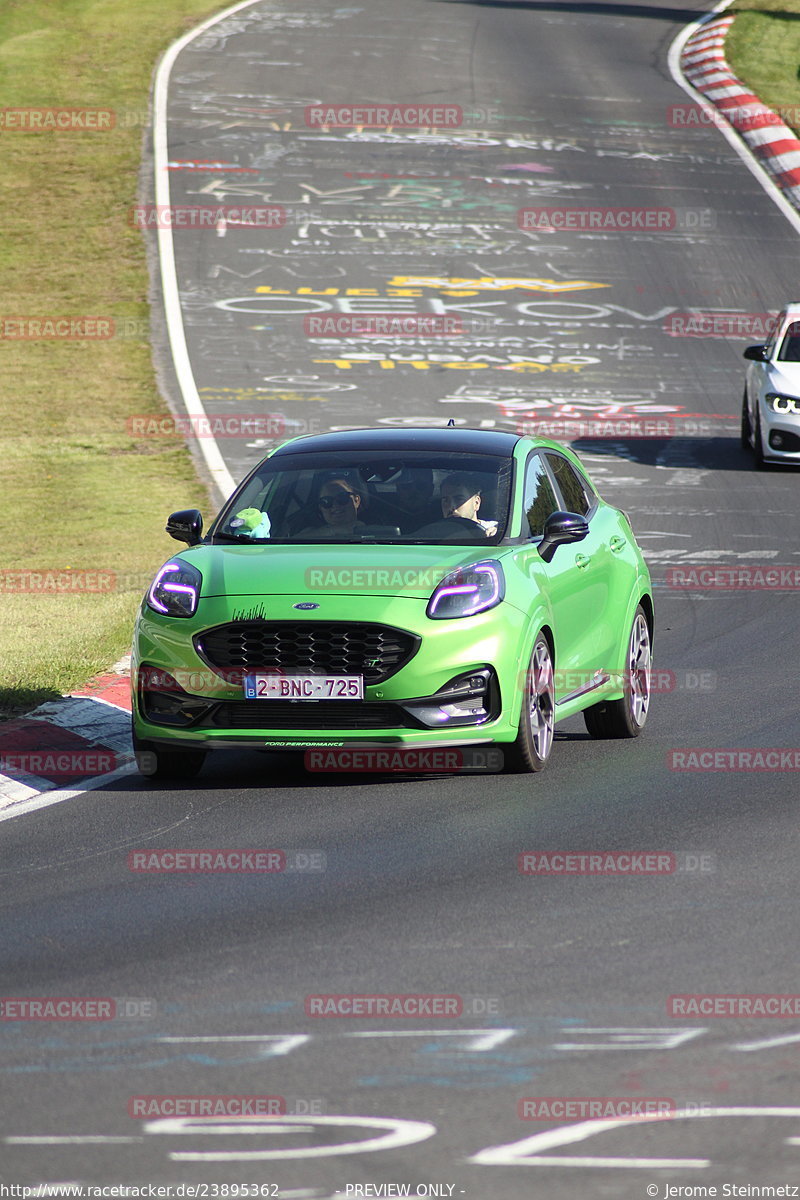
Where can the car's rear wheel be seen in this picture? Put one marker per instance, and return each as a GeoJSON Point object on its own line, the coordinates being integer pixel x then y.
{"type": "Point", "coordinates": [626, 718]}
{"type": "Point", "coordinates": [155, 762]}
{"type": "Point", "coordinates": [747, 430]}
{"type": "Point", "coordinates": [534, 740]}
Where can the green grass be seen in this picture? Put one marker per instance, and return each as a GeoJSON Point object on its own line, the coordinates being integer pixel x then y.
{"type": "Point", "coordinates": [763, 50]}
{"type": "Point", "coordinates": [77, 490]}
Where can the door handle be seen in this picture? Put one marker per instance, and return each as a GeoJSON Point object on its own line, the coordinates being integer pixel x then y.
{"type": "Point", "coordinates": [582, 561]}
{"type": "Point", "coordinates": [617, 543]}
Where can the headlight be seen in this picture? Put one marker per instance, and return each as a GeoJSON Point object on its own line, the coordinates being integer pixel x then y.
{"type": "Point", "coordinates": [782, 404]}
{"type": "Point", "coordinates": [175, 590]}
{"type": "Point", "coordinates": [467, 591]}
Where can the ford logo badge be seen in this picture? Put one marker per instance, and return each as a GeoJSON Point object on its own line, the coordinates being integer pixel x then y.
{"type": "Point", "coordinates": [305, 606]}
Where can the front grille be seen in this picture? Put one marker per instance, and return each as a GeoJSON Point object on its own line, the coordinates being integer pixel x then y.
{"type": "Point", "coordinates": [308, 648]}
{"type": "Point", "coordinates": [306, 714]}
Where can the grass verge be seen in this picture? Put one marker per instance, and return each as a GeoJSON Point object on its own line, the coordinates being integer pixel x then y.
{"type": "Point", "coordinates": [763, 50]}
{"type": "Point", "coordinates": [79, 493]}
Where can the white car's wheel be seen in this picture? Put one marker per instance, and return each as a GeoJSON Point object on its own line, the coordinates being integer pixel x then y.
{"type": "Point", "coordinates": [758, 447]}
{"type": "Point", "coordinates": [746, 429]}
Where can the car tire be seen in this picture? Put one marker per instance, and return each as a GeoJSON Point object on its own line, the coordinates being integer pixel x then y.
{"type": "Point", "coordinates": [747, 429]}
{"type": "Point", "coordinates": [761, 462]}
{"type": "Point", "coordinates": [534, 741]}
{"type": "Point", "coordinates": [626, 718]}
{"type": "Point", "coordinates": [156, 763]}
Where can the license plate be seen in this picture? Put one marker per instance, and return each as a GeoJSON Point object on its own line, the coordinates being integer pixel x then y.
{"type": "Point", "coordinates": [304, 687]}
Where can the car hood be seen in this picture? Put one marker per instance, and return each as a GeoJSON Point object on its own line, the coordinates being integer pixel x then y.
{"type": "Point", "coordinates": [307, 571]}
{"type": "Point", "coordinates": [785, 378]}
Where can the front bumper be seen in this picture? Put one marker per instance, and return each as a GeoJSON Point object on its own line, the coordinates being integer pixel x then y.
{"type": "Point", "coordinates": [780, 434]}
{"type": "Point", "coordinates": [397, 711]}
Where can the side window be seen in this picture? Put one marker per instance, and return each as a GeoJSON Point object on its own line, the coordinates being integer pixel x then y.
{"type": "Point", "coordinates": [539, 499]}
{"type": "Point", "coordinates": [576, 497]}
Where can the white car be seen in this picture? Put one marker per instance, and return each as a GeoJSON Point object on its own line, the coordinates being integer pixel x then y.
{"type": "Point", "coordinates": [771, 402]}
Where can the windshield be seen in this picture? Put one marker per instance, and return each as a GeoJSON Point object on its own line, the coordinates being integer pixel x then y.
{"type": "Point", "coordinates": [790, 347]}
{"type": "Point", "coordinates": [412, 496]}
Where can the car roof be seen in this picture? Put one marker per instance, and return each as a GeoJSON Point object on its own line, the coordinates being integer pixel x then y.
{"type": "Point", "coordinates": [452, 439]}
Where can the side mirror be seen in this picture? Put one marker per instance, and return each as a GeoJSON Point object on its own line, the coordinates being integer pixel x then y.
{"type": "Point", "coordinates": [559, 529]}
{"type": "Point", "coordinates": [185, 526]}
{"type": "Point", "coordinates": [756, 353]}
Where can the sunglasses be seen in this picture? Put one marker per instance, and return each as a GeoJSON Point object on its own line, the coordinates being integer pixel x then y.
{"type": "Point", "coordinates": [336, 501]}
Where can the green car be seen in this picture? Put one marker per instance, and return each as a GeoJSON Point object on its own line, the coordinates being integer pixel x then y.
{"type": "Point", "coordinates": [397, 589]}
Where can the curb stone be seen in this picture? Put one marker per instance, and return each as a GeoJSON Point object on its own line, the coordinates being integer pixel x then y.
{"type": "Point", "coordinates": [772, 143]}
{"type": "Point", "coordinates": [71, 743]}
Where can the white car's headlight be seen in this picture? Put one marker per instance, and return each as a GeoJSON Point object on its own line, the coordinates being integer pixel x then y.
{"type": "Point", "coordinates": [468, 591]}
{"type": "Point", "coordinates": [175, 590]}
{"type": "Point", "coordinates": [783, 404]}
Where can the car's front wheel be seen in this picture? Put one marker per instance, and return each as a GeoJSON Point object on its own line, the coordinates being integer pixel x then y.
{"type": "Point", "coordinates": [747, 432]}
{"type": "Point", "coordinates": [157, 763]}
{"type": "Point", "coordinates": [758, 445]}
{"type": "Point", "coordinates": [534, 740]}
{"type": "Point", "coordinates": [626, 718]}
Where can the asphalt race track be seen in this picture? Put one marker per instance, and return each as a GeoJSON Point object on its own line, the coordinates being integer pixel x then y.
{"type": "Point", "coordinates": [412, 886]}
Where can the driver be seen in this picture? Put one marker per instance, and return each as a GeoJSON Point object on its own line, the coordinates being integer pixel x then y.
{"type": "Point", "coordinates": [339, 505]}
{"type": "Point", "coordinates": [461, 497]}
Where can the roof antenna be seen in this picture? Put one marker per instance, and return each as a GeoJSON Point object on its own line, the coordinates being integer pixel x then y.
{"type": "Point", "coordinates": [451, 423]}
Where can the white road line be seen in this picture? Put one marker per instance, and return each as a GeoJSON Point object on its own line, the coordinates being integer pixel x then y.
{"type": "Point", "coordinates": [728, 132]}
{"type": "Point", "coordinates": [398, 1132]}
{"type": "Point", "coordinates": [284, 1042]}
{"type": "Point", "coordinates": [17, 808]}
{"type": "Point", "coordinates": [221, 476]}
{"type": "Point", "coordinates": [768, 1043]}
{"type": "Point", "coordinates": [526, 1151]}
{"type": "Point", "coordinates": [631, 1039]}
{"type": "Point", "coordinates": [13, 791]}
{"type": "Point", "coordinates": [76, 1139]}
{"type": "Point", "coordinates": [479, 1039]}
{"type": "Point", "coordinates": [654, 1164]}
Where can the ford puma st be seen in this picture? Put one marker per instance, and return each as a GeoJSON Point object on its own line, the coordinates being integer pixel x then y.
{"type": "Point", "coordinates": [395, 588]}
